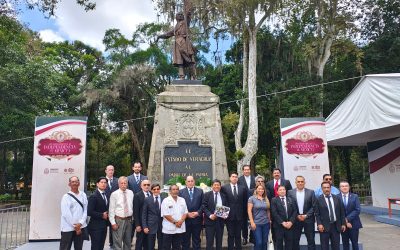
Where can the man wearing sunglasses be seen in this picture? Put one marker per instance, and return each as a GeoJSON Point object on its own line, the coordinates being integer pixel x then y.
{"type": "Point", "coordinates": [141, 241]}
{"type": "Point", "coordinates": [327, 178]}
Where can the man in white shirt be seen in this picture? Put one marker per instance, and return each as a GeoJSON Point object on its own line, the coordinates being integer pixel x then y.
{"type": "Point", "coordinates": [174, 211]}
{"type": "Point", "coordinates": [112, 185]}
{"type": "Point", "coordinates": [120, 214]}
{"type": "Point", "coordinates": [73, 216]}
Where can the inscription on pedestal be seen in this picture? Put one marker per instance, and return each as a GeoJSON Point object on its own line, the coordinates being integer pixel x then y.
{"type": "Point", "coordinates": [188, 158]}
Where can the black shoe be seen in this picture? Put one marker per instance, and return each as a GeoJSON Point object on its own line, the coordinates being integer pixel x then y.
{"type": "Point", "coordinates": [244, 242]}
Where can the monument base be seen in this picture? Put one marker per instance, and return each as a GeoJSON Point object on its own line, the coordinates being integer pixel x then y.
{"type": "Point", "coordinates": [187, 135]}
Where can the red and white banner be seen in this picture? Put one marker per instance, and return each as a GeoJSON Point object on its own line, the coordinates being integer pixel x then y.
{"type": "Point", "coordinates": [384, 168]}
{"type": "Point", "coordinates": [304, 149]}
{"type": "Point", "coordinates": [59, 152]}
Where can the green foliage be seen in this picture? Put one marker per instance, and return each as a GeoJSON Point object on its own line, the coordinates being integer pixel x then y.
{"type": "Point", "coordinates": [5, 197]}
{"type": "Point", "coordinates": [204, 180]}
{"type": "Point", "coordinates": [175, 180]}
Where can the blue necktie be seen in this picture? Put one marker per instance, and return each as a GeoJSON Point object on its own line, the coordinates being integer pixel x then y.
{"type": "Point", "coordinates": [191, 194]}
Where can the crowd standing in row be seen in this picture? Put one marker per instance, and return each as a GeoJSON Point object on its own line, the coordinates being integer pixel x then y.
{"type": "Point", "coordinates": [129, 205]}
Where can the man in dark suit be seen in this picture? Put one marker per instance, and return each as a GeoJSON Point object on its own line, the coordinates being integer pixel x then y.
{"type": "Point", "coordinates": [138, 199]}
{"type": "Point", "coordinates": [151, 218]}
{"type": "Point", "coordinates": [284, 213]}
{"type": "Point", "coordinates": [330, 215]}
{"type": "Point", "coordinates": [236, 196]}
{"type": "Point", "coordinates": [97, 210]}
{"type": "Point", "coordinates": [305, 201]}
{"type": "Point", "coordinates": [272, 185]}
{"type": "Point", "coordinates": [272, 189]}
{"type": "Point", "coordinates": [136, 178]}
{"type": "Point", "coordinates": [248, 182]}
{"type": "Point", "coordinates": [193, 197]}
{"type": "Point", "coordinates": [112, 185]}
{"type": "Point", "coordinates": [214, 225]}
{"type": "Point", "coordinates": [352, 211]}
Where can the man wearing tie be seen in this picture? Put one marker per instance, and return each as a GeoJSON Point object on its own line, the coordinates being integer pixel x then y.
{"type": "Point", "coordinates": [305, 200]}
{"type": "Point", "coordinates": [98, 212]}
{"type": "Point", "coordinates": [248, 182]}
{"type": "Point", "coordinates": [193, 197]}
{"type": "Point", "coordinates": [330, 215]}
{"type": "Point", "coordinates": [284, 213]}
{"type": "Point", "coordinates": [151, 218]}
{"type": "Point", "coordinates": [272, 185]}
{"type": "Point", "coordinates": [352, 211]}
{"type": "Point", "coordinates": [136, 178]}
{"type": "Point", "coordinates": [272, 190]}
{"type": "Point", "coordinates": [214, 225]}
{"type": "Point", "coordinates": [141, 240]}
{"type": "Point", "coordinates": [236, 198]}
{"type": "Point", "coordinates": [120, 215]}
{"type": "Point", "coordinates": [112, 185]}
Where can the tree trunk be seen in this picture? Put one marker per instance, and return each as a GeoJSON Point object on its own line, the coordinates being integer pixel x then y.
{"type": "Point", "coordinates": [251, 146]}
{"type": "Point", "coordinates": [3, 168]}
{"type": "Point", "coordinates": [242, 115]}
{"type": "Point", "coordinates": [137, 146]}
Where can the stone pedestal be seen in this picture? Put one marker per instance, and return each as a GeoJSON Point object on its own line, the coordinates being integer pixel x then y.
{"type": "Point", "coordinates": [187, 135]}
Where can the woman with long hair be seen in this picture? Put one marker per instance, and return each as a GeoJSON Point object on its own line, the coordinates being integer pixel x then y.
{"type": "Point", "coordinates": [258, 209]}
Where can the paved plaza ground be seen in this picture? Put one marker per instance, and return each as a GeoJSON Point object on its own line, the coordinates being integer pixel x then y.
{"type": "Point", "coordinates": [374, 236]}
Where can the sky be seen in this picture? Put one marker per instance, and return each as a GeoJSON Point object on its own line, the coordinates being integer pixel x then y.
{"type": "Point", "coordinates": [72, 22]}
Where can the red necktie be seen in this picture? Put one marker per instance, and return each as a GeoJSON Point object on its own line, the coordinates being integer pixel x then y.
{"type": "Point", "coordinates": [276, 188]}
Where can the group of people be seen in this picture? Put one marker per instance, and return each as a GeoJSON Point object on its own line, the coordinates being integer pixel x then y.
{"type": "Point", "coordinates": [129, 205]}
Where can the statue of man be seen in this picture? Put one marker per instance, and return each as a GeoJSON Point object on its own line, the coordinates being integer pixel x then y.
{"type": "Point", "coordinates": [184, 52]}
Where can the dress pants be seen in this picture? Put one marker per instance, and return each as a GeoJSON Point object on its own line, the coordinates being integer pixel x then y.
{"type": "Point", "coordinates": [309, 231]}
{"type": "Point", "coordinates": [234, 234]}
{"type": "Point", "coordinates": [98, 238]}
{"type": "Point", "coordinates": [192, 234]}
{"type": "Point", "coordinates": [151, 240]}
{"type": "Point", "coordinates": [122, 236]}
{"type": "Point", "coordinates": [68, 237]}
{"type": "Point", "coordinates": [350, 235]}
{"type": "Point", "coordinates": [172, 240]}
{"type": "Point", "coordinates": [333, 235]}
{"type": "Point", "coordinates": [284, 235]}
{"type": "Point", "coordinates": [215, 232]}
{"type": "Point", "coordinates": [141, 240]}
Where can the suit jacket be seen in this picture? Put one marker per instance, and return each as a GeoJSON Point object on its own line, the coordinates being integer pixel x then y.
{"type": "Point", "coordinates": [322, 212]}
{"type": "Point", "coordinates": [114, 186]}
{"type": "Point", "coordinates": [270, 187]}
{"type": "Point", "coordinates": [96, 207]}
{"type": "Point", "coordinates": [309, 203]}
{"type": "Point", "coordinates": [278, 211]}
{"type": "Point", "coordinates": [208, 207]}
{"type": "Point", "coordinates": [193, 205]}
{"type": "Point", "coordinates": [151, 215]}
{"type": "Point", "coordinates": [132, 185]}
{"type": "Point", "coordinates": [352, 210]}
{"type": "Point", "coordinates": [238, 205]}
{"type": "Point", "coordinates": [242, 182]}
{"type": "Point", "coordinates": [138, 201]}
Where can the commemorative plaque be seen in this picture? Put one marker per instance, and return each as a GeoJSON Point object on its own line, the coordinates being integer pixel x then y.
{"type": "Point", "coordinates": [187, 158]}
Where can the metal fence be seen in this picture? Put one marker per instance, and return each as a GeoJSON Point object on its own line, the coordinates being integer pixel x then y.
{"type": "Point", "coordinates": [14, 227]}
{"type": "Point", "coordinates": [364, 192]}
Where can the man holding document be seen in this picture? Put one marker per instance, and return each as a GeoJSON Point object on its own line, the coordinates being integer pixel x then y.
{"type": "Point", "coordinates": [214, 225]}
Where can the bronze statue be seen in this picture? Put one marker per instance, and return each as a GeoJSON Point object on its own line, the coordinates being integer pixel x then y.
{"type": "Point", "coordinates": [184, 52]}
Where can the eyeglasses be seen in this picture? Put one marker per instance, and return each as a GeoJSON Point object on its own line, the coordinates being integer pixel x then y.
{"type": "Point", "coordinates": [146, 184]}
{"type": "Point", "coordinates": [155, 189]}
{"type": "Point", "coordinates": [328, 179]}
{"type": "Point", "coordinates": [300, 181]}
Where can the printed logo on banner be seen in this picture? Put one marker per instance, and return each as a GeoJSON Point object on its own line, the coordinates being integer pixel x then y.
{"type": "Point", "coordinates": [60, 145]}
{"type": "Point", "coordinates": [305, 144]}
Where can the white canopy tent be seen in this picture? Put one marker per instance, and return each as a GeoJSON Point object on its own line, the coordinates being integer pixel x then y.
{"type": "Point", "coordinates": [371, 112]}
{"type": "Point", "coordinates": [370, 116]}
